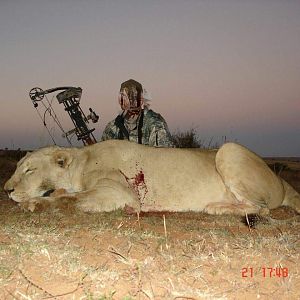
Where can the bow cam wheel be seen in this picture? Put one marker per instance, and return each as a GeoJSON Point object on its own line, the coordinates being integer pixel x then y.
{"type": "Point", "coordinates": [36, 94]}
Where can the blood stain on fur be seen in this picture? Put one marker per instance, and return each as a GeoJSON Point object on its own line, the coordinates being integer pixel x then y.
{"type": "Point", "coordinates": [137, 183]}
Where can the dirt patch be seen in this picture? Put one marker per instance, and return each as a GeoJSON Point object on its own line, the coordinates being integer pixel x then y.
{"type": "Point", "coordinates": [65, 255]}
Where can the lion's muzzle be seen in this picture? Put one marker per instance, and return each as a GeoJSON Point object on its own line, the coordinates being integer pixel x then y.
{"type": "Point", "coordinates": [8, 188]}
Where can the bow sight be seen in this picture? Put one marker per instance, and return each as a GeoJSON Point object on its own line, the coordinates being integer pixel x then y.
{"type": "Point", "coordinates": [70, 97]}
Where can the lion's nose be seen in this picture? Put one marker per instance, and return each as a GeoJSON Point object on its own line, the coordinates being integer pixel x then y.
{"type": "Point", "coordinates": [8, 188]}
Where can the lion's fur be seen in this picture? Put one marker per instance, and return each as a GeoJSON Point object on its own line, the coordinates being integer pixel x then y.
{"type": "Point", "coordinates": [117, 174]}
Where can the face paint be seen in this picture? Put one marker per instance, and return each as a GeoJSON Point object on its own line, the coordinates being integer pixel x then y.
{"type": "Point", "coordinates": [124, 101]}
{"type": "Point", "coordinates": [130, 97]}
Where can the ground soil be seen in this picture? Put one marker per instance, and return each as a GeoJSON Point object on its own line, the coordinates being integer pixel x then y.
{"type": "Point", "coordinates": [62, 254]}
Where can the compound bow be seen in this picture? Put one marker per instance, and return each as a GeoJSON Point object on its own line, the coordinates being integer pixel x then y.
{"type": "Point", "coordinates": [70, 97]}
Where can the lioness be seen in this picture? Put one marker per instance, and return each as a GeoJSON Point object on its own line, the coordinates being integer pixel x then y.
{"type": "Point", "coordinates": [116, 174]}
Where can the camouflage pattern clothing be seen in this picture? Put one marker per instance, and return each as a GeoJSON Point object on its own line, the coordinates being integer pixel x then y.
{"type": "Point", "coordinates": [149, 129]}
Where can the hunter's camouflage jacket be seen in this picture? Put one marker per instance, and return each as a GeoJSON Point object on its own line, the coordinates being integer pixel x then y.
{"type": "Point", "coordinates": [151, 129]}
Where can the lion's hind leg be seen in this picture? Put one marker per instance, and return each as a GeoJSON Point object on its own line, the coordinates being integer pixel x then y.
{"type": "Point", "coordinates": [248, 177]}
{"type": "Point", "coordinates": [239, 208]}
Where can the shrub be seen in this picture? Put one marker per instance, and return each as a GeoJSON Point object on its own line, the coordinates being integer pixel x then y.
{"type": "Point", "coordinates": [190, 139]}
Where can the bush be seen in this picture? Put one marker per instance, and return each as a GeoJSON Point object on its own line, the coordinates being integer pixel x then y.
{"type": "Point", "coordinates": [190, 139]}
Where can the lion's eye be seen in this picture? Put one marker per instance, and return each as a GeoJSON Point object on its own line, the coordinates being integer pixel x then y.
{"type": "Point", "coordinates": [28, 171]}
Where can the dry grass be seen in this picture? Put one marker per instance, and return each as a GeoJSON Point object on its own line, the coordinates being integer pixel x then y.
{"type": "Point", "coordinates": [184, 256]}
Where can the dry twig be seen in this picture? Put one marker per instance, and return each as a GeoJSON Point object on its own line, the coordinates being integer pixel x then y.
{"type": "Point", "coordinates": [35, 285]}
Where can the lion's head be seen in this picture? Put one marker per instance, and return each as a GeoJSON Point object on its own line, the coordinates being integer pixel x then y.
{"type": "Point", "coordinates": [39, 173]}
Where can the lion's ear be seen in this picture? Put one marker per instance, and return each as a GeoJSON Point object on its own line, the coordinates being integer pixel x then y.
{"type": "Point", "coordinates": [62, 158]}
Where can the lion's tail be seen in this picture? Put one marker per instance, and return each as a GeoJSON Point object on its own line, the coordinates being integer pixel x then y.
{"type": "Point", "coordinates": [291, 197]}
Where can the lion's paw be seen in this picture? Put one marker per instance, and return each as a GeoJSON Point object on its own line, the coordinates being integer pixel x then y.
{"type": "Point", "coordinates": [58, 192]}
{"type": "Point", "coordinates": [33, 204]}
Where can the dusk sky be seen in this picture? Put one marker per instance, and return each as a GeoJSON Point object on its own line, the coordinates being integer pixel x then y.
{"type": "Point", "coordinates": [225, 68]}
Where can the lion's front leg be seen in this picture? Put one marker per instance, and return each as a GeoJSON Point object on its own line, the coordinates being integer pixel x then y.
{"type": "Point", "coordinates": [108, 195]}
{"type": "Point", "coordinates": [55, 200]}
{"type": "Point", "coordinates": [31, 204]}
